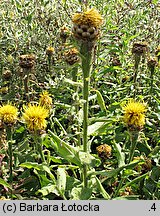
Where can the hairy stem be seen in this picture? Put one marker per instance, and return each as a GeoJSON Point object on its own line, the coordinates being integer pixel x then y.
{"type": "Point", "coordinates": [76, 89]}
{"type": "Point", "coordinates": [10, 153]}
{"type": "Point", "coordinates": [134, 138]}
{"type": "Point", "coordinates": [86, 52]}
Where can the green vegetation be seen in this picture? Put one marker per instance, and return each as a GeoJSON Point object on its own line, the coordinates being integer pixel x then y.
{"type": "Point", "coordinates": [80, 100]}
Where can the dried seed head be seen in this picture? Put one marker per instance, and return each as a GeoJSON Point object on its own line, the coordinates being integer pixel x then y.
{"type": "Point", "coordinates": [27, 61]}
{"type": "Point", "coordinates": [71, 56]}
{"type": "Point", "coordinates": [139, 48]}
{"type": "Point", "coordinates": [152, 63]}
{"type": "Point", "coordinates": [104, 151]}
{"type": "Point", "coordinates": [143, 166]}
{"type": "Point", "coordinates": [7, 74]}
{"type": "Point", "coordinates": [128, 191]}
{"type": "Point", "coordinates": [85, 33]}
{"type": "Point", "coordinates": [64, 33]}
{"type": "Point", "coordinates": [116, 61]}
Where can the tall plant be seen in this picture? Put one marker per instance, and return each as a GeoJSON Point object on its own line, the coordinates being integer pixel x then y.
{"type": "Point", "coordinates": [86, 30]}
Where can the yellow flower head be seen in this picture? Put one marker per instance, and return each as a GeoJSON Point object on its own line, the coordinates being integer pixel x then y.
{"type": "Point", "coordinates": [50, 51]}
{"type": "Point", "coordinates": [90, 17]}
{"type": "Point", "coordinates": [45, 100]}
{"type": "Point", "coordinates": [8, 114]}
{"type": "Point", "coordinates": [34, 117]}
{"type": "Point", "coordinates": [134, 114]}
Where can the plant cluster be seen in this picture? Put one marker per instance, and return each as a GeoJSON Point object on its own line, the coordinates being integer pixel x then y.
{"type": "Point", "coordinates": [79, 100]}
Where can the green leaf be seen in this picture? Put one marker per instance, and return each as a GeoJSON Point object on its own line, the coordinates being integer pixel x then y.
{"type": "Point", "coordinates": [48, 189]}
{"type": "Point", "coordinates": [100, 101]}
{"type": "Point", "coordinates": [136, 180]}
{"type": "Point", "coordinates": [37, 166]}
{"type": "Point", "coordinates": [65, 150]}
{"type": "Point", "coordinates": [89, 159]}
{"type": "Point", "coordinates": [119, 154]}
{"type": "Point", "coordinates": [101, 189]}
{"type": "Point", "coordinates": [114, 172]}
{"type": "Point", "coordinates": [72, 82]}
{"type": "Point", "coordinates": [95, 127]}
{"type": "Point", "coordinates": [80, 193]}
{"type": "Point", "coordinates": [61, 180]}
{"type": "Point", "coordinates": [5, 184]}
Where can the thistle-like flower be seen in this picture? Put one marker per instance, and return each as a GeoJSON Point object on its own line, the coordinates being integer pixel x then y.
{"type": "Point", "coordinates": [134, 115]}
{"type": "Point", "coordinates": [104, 151]}
{"type": "Point", "coordinates": [71, 56]}
{"type": "Point", "coordinates": [49, 51]}
{"type": "Point", "coordinates": [45, 100]}
{"type": "Point", "coordinates": [143, 166]}
{"type": "Point", "coordinates": [8, 114]}
{"type": "Point", "coordinates": [4, 90]}
{"type": "Point", "coordinates": [35, 118]}
{"type": "Point", "coordinates": [152, 63]}
{"type": "Point", "coordinates": [64, 33]}
{"type": "Point", "coordinates": [87, 24]}
{"type": "Point", "coordinates": [139, 48]}
{"type": "Point", "coordinates": [27, 61]}
{"type": "Point", "coordinates": [7, 74]}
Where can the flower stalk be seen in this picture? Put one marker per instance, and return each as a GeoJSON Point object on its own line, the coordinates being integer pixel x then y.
{"type": "Point", "coordinates": [49, 53]}
{"type": "Point", "coordinates": [86, 67]}
{"type": "Point", "coordinates": [152, 63]}
{"type": "Point", "coordinates": [86, 29]}
{"type": "Point", "coordinates": [26, 62]}
{"type": "Point", "coordinates": [10, 154]}
{"type": "Point", "coordinates": [139, 49]}
{"type": "Point", "coordinates": [133, 137]}
{"type": "Point", "coordinates": [76, 88]}
{"type": "Point", "coordinates": [26, 82]}
{"type": "Point", "coordinates": [39, 147]}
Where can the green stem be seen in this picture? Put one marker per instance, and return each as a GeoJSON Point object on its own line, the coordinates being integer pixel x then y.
{"type": "Point", "coordinates": [49, 63]}
{"type": "Point", "coordinates": [137, 61]}
{"type": "Point", "coordinates": [26, 72]}
{"type": "Point", "coordinates": [120, 184]}
{"type": "Point", "coordinates": [10, 153]}
{"type": "Point", "coordinates": [86, 52]}
{"type": "Point", "coordinates": [38, 142]}
{"type": "Point", "coordinates": [151, 78]}
{"type": "Point", "coordinates": [76, 89]}
{"type": "Point", "coordinates": [134, 138]}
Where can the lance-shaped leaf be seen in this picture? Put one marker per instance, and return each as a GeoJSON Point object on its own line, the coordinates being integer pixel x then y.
{"type": "Point", "coordinates": [65, 150]}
